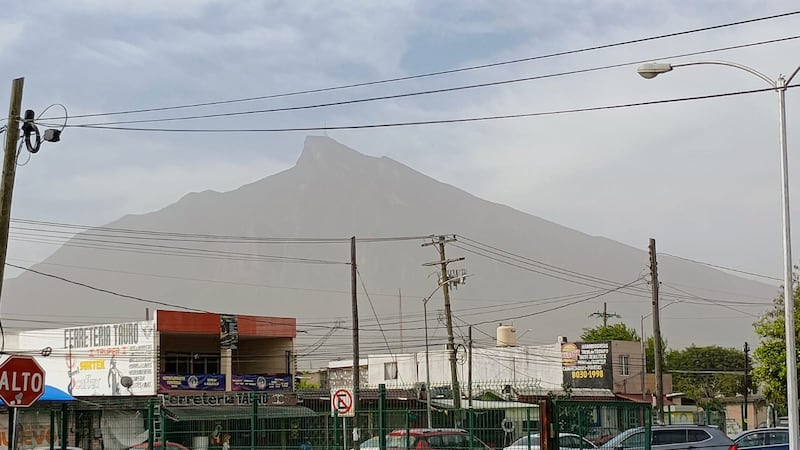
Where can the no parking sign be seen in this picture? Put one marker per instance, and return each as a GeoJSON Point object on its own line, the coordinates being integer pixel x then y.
{"type": "Point", "coordinates": [342, 402]}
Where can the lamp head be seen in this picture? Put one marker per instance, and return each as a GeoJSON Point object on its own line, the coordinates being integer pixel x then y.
{"type": "Point", "coordinates": [652, 70]}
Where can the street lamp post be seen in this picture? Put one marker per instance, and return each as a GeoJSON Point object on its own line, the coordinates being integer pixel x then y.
{"type": "Point", "coordinates": [780, 85]}
{"type": "Point", "coordinates": [427, 352]}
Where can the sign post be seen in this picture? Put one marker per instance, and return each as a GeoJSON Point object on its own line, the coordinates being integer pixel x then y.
{"type": "Point", "coordinates": [342, 402]}
{"type": "Point", "coordinates": [21, 384]}
{"type": "Point", "coordinates": [21, 381]}
{"type": "Point", "coordinates": [342, 406]}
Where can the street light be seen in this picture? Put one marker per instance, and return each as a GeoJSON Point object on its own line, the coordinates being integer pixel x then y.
{"type": "Point", "coordinates": [780, 85]}
{"type": "Point", "coordinates": [427, 353]}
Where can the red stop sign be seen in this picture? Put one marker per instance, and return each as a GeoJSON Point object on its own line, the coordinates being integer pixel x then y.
{"type": "Point", "coordinates": [21, 381]}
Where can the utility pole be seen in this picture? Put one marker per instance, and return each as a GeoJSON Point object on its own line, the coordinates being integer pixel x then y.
{"type": "Point", "coordinates": [400, 304]}
{"type": "Point", "coordinates": [605, 314]}
{"type": "Point", "coordinates": [9, 170]}
{"type": "Point", "coordinates": [657, 350]}
{"type": "Point", "coordinates": [451, 348]}
{"type": "Point", "coordinates": [746, 385]}
{"type": "Point", "coordinates": [469, 370]}
{"type": "Point", "coordinates": [356, 355]}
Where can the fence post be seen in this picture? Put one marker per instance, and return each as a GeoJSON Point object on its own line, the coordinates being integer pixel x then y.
{"type": "Point", "coordinates": [408, 429]}
{"type": "Point", "coordinates": [52, 429]}
{"type": "Point", "coordinates": [471, 425]}
{"type": "Point", "coordinates": [64, 426]}
{"type": "Point", "coordinates": [253, 419]}
{"type": "Point", "coordinates": [335, 429]}
{"type": "Point", "coordinates": [528, 427]}
{"type": "Point", "coordinates": [150, 421]}
{"type": "Point", "coordinates": [381, 431]}
{"type": "Point", "coordinates": [648, 426]}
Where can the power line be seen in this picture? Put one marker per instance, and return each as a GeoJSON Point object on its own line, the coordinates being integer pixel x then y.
{"type": "Point", "coordinates": [435, 121]}
{"type": "Point", "coordinates": [105, 291]}
{"type": "Point", "coordinates": [445, 72]}
{"type": "Point", "coordinates": [429, 91]}
{"type": "Point", "coordinates": [224, 237]}
{"type": "Point", "coordinates": [585, 299]}
{"type": "Point", "coordinates": [716, 266]}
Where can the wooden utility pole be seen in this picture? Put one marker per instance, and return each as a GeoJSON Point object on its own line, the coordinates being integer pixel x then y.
{"type": "Point", "coordinates": [9, 171]}
{"type": "Point", "coordinates": [445, 283]}
{"type": "Point", "coordinates": [657, 343]}
{"type": "Point", "coordinates": [356, 354]}
{"type": "Point", "coordinates": [604, 315]}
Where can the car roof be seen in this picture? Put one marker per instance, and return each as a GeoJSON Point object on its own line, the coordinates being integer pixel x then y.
{"type": "Point", "coordinates": [760, 430]}
{"type": "Point", "coordinates": [428, 431]}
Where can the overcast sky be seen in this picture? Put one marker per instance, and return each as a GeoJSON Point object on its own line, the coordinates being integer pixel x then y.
{"type": "Point", "coordinates": [701, 177]}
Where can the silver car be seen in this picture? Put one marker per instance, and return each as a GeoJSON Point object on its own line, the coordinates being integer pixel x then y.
{"type": "Point", "coordinates": [566, 441]}
{"type": "Point", "coordinates": [673, 437]}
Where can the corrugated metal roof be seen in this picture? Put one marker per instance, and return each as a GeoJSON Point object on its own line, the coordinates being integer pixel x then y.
{"type": "Point", "coordinates": [187, 413]}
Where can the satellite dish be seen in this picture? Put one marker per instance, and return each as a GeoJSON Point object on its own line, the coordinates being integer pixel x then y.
{"type": "Point", "coordinates": [126, 382]}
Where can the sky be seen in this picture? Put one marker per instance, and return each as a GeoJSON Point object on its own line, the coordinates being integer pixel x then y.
{"type": "Point", "coordinates": [701, 177]}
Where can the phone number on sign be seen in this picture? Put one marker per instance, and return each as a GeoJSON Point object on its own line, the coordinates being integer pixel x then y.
{"type": "Point", "coordinates": [587, 374]}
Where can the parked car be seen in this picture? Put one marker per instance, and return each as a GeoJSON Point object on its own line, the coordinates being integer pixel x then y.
{"type": "Point", "coordinates": [371, 443]}
{"type": "Point", "coordinates": [763, 438]}
{"type": "Point", "coordinates": [566, 441]}
{"type": "Point", "coordinates": [601, 435]}
{"type": "Point", "coordinates": [433, 438]}
{"type": "Point", "coordinates": [159, 446]}
{"type": "Point", "coordinates": [673, 437]}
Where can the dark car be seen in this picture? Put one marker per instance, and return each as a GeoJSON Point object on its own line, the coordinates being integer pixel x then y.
{"type": "Point", "coordinates": [763, 438]}
{"type": "Point", "coordinates": [673, 437]}
{"type": "Point", "coordinates": [433, 438]}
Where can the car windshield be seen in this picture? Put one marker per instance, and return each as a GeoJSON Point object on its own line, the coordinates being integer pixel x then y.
{"type": "Point", "coordinates": [631, 438]}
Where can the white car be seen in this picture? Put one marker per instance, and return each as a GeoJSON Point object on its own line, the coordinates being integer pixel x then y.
{"type": "Point", "coordinates": [566, 441]}
{"type": "Point", "coordinates": [372, 443]}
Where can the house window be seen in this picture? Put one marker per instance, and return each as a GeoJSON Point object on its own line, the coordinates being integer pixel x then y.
{"type": "Point", "coordinates": [624, 368]}
{"type": "Point", "coordinates": [390, 371]}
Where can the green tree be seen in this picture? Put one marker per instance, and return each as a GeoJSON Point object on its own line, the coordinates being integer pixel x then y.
{"type": "Point", "coordinates": [692, 369]}
{"type": "Point", "coordinates": [770, 355]}
{"type": "Point", "coordinates": [615, 332]}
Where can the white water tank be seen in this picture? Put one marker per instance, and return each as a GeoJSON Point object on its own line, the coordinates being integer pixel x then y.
{"type": "Point", "coordinates": [506, 336]}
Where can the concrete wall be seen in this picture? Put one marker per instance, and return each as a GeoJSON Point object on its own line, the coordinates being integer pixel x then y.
{"type": "Point", "coordinates": [505, 365]}
{"type": "Point", "coordinates": [258, 356]}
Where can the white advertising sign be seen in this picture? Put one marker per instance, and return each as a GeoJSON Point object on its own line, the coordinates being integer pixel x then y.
{"type": "Point", "coordinates": [98, 360]}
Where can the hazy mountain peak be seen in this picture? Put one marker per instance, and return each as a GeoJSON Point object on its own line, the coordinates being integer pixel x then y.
{"type": "Point", "coordinates": [335, 191]}
{"type": "Point", "coordinates": [326, 152]}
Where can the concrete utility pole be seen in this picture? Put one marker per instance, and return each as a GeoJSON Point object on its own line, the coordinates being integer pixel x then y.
{"type": "Point", "coordinates": [9, 170]}
{"type": "Point", "coordinates": [658, 352]}
{"type": "Point", "coordinates": [746, 388]}
{"type": "Point", "coordinates": [451, 348]}
{"type": "Point", "coordinates": [356, 353]}
{"type": "Point", "coordinates": [605, 314]}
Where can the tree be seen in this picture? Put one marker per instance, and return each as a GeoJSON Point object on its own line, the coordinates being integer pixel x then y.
{"type": "Point", "coordinates": [691, 371]}
{"type": "Point", "coordinates": [770, 355]}
{"type": "Point", "coordinates": [615, 332]}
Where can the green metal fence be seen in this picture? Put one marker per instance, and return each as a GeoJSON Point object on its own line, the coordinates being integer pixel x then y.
{"type": "Point", "coordinates": [578, 423]}
{"type": "Point", "coordinates": [495, 423]}
{"type": "Point", "coordinates": [314, 426]}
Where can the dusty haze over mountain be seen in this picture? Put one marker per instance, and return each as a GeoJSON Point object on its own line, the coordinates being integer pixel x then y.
{"type": "Point", "coordinates": [553, 279]}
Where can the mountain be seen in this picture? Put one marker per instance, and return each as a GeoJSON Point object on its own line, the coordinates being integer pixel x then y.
{"type": "Point", "coordinates": [553, 279]}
